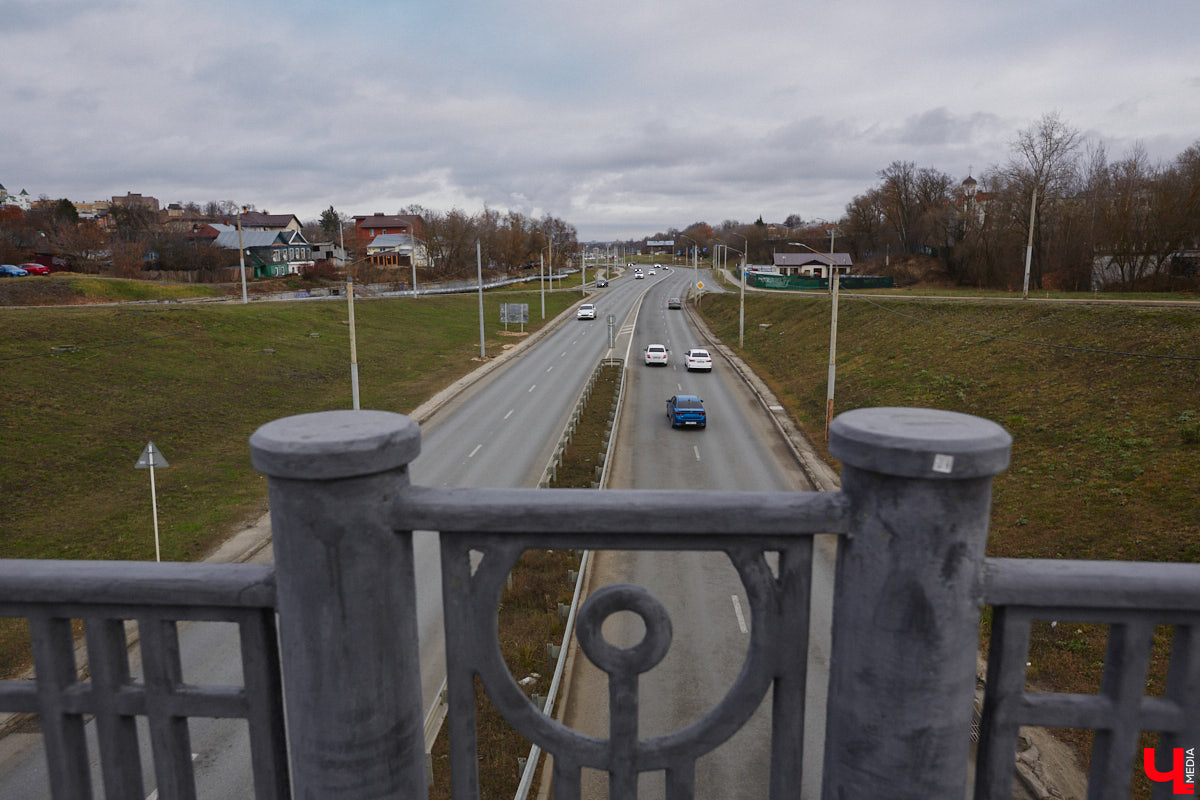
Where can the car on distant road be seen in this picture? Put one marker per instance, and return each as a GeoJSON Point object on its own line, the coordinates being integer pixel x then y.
{"type": "Point", "coordinates": [657, 354]}
{"type": "Point", "coordinates": [686, 410]}
{"type": "Point", "coordinates": [11, 271]}
{"type": "Point", "coordinates": [674, 302]}
{"type": "Point", "coordinates": [601, 283]}
{"type": "Point", "coordinates": [586, 311]}
{"type": "Point", "coordinates": [697, 358]}
{"type": "Point", "coordinates": [36, 269]}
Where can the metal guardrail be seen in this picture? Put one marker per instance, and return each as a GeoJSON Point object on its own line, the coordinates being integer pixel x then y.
{"type": "Point", "coordinates": [535, 751]}
{"type": "Point", "coordinates": [551, 470]}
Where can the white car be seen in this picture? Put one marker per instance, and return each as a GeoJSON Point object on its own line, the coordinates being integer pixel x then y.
{"type": "Point", "coordinates": [586, 311]}
{"type": "Point", "coordinates": [697, 358]}
{"type": "Point", "coordinates": [639, 275]}
{"type": "Point", "coordinates": [653, 272]}
{"type": "Point", "coordinates": [656, 354]}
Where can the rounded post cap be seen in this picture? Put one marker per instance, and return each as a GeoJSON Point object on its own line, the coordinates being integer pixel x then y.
{"type": "Point", "coordinates": [335, 444]}
{"type": "Point", "coordinates": [920, 443]}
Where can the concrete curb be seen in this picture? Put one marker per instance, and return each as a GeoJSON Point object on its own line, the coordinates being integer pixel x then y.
{"type": "Point", "coordinates": [822, 476]}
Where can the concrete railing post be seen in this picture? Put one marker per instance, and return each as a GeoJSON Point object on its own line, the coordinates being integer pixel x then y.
{"type": "Point", "coordinates": [346, 600]}
{"type": "Point", "coordinates": [907, 600]}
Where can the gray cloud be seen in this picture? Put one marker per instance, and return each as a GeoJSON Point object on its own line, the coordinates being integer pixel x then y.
{"type": "Point", "coordinates": [621, 118]}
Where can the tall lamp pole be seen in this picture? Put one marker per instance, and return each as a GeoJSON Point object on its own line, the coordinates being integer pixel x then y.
{"type": "Point", "coordinates": [353, 343]}
{"type": "Point", "coordinates": [742, 284]}
{"type": "Point", "coordinates": [832, 335]}
{"type": "Point", "coordinates": [479, 272]}
{"type": "Point", "coordinates": [695, 261]}
{"type": "Point", "coordinates": [1029, 246]}
{"type": "Point", "coordinates": [242, 254]}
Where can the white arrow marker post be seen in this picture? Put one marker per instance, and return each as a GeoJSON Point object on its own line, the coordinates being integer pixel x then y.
{"type": "Point", "coordinates": [150, 459]}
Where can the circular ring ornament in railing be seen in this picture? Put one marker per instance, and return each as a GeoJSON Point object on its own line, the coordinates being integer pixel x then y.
{"type": "Point", "coordinates": [663, 752]}
{"type": "Point", "coordinates": [610, 600]}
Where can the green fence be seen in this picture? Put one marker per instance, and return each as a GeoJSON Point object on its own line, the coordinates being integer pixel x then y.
{"type": "Point", "coordinates": [795, 282]}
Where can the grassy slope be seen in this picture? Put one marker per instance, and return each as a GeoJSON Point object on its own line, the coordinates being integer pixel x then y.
{"type": "Point", "coordinates": [196, 380]}
{"type": "Point", "coordinates": [1106, 448]}
{"type": "Point", "coordinates": [1106, 451]}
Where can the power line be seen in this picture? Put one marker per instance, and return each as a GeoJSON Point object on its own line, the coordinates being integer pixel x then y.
{"type": "Point", "coordinates": [1028, 342]}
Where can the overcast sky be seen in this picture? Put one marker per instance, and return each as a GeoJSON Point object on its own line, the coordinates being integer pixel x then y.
{"type": "Point", "coordinates": [622, 118]}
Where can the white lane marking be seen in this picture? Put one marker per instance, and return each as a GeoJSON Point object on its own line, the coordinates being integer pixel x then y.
{"type": "Point", "coordinates": [510, 413]}
{"type": "Point", "coordinates": [737, 609]}
{"type": "Point", "coordinates": [531, 388]}
{"type": "Point", "coordinates": [563, 354]}
{"type": "Point", "coordinates": [549, 368]}
{"type": "Point", "coordinates": [478, 447]}
{"type": "Point", "coordinates": [680, 385]}
{"type": "Point", "coordinates": [696, 450]}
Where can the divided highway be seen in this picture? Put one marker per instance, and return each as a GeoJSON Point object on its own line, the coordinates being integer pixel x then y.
{"type": "Point", "coordinates": [739, 449]}
{"type": "Point", "coordinates": [500, 433]}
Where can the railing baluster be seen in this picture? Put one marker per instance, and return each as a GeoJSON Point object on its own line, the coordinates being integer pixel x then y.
{"type": "Point", "coordinates": [264, 696]}
{"type": "Point", "coordinates": [66, 747]}
{"type": "Point", "coordinates": [1007, 651]}
{"type": "Point", "coordinates": [907, 600]}
{"type": "Point", "coordinates": [108, 662]}
{"type": "Point", "coordinates": [1123, 684]}
{"type": "Point", "coordinates": [347, 602]}
{"type": "Point", "coordinates": [170, 738]}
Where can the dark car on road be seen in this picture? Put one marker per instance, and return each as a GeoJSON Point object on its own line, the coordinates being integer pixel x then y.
{"type": "Point", "coordinates": [686, 410]}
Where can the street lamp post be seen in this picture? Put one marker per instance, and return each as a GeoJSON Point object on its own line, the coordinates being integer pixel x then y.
{"type": "Point", "coordinates": [742, 284]}
{"type": "Point", "coordinates": [242, 254]}
{"type": "Point", "coordinates": [695, 256]}
{"type": "Point", "coordinates": [832, 335]}
{"type": "Point", "coordinates": [353, 344]}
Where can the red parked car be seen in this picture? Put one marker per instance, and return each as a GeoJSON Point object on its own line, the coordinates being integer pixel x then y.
{"type": "Point", "coordinates": [36, 269]}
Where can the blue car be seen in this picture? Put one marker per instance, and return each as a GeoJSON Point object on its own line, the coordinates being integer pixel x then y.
{"type": "Point", "coordinates": [686, 410]}
{"type": "Point", "coordinates": [12, 271]}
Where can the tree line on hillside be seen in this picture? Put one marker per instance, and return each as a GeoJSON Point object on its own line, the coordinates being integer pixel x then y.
{"type": "Point", "coordinates": [508, 241]}
{"type": "Point", "coordinates": [132, 239]}
{"type": "Point", "coordinates": [1125, 222]}
{"type": "Point", "coordinates": [1120, 222]}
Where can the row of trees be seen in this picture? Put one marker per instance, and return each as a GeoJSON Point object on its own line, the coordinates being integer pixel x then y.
{"type": "Point", "coordinates": [1124, 222]}
{"type": "Point", "coordinates": [137, 238]}
{"type": "Point", "coordinates": [508, 241]}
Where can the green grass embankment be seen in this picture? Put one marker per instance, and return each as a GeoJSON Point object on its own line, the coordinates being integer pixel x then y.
{"type": "Point", "coordinates": [1103, 403]}
{"type": "Point", "coordinates": [197, 380]}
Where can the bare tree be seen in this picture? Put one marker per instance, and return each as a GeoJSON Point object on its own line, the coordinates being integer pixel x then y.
{"type": "Point", "coordinates": [898, 200]}
{"type": "Point", "coordinates": [1042, 165]}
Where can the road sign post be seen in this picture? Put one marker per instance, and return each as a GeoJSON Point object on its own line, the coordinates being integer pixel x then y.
{"type": "Point", "coordinates": [149, 459]}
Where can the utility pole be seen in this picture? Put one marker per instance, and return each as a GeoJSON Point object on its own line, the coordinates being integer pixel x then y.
{"type": "Point", "coordinates": [1029, 246]}
{"type": "Point", "coordinates": [479, 271]}
{"type": "Point", "coordinates": [353, 343]}
{"type": "Point", "coordinates": [242, 254]}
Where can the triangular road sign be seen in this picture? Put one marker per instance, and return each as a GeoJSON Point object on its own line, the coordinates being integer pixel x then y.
{"type": "Point", "coordinates": [151, 457]}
